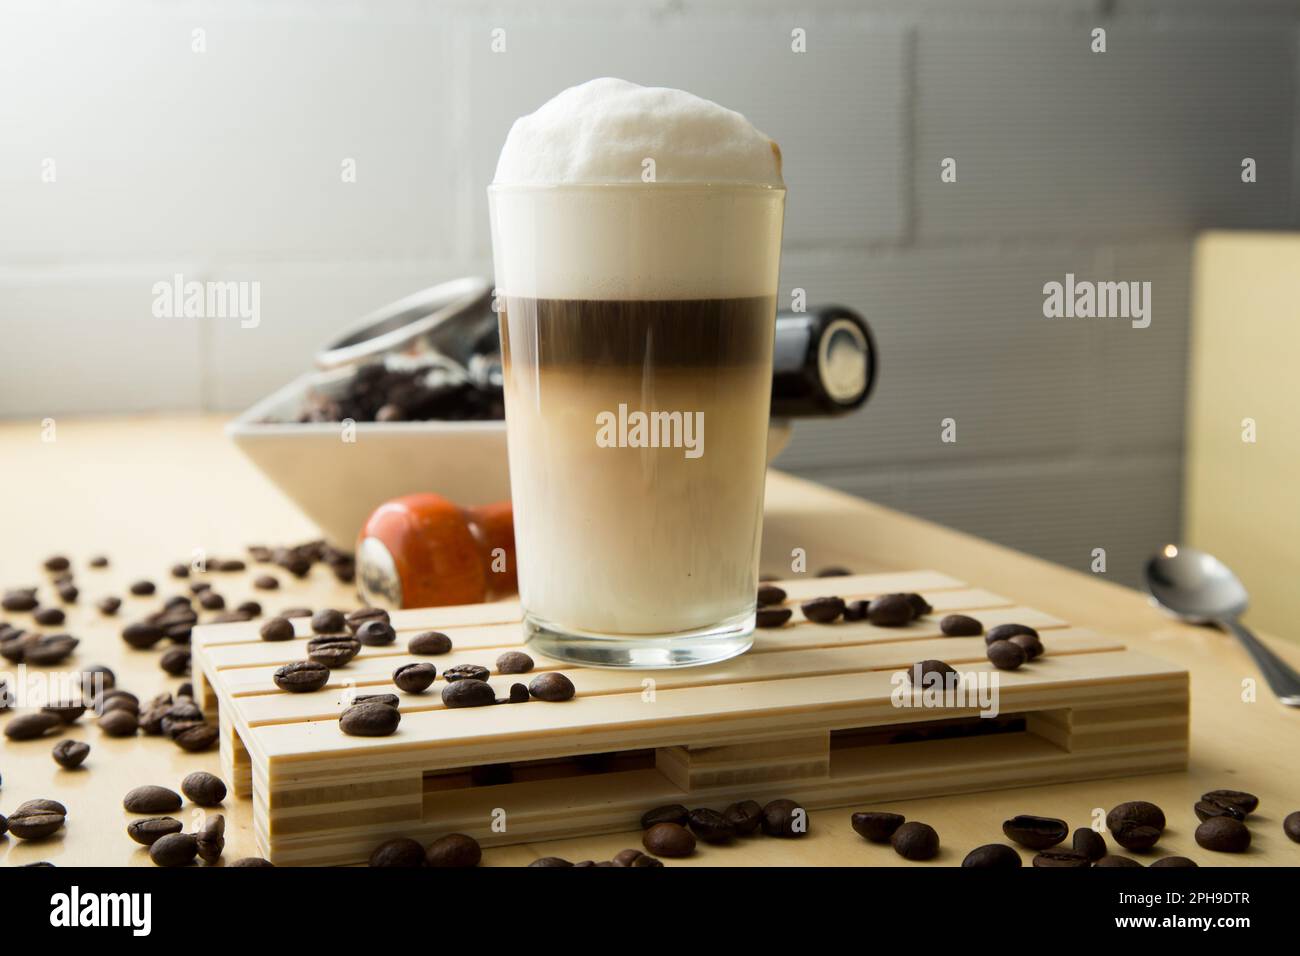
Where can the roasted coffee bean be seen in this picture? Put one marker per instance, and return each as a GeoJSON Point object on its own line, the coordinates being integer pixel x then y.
{"type": "Point", "coordinates": [37, 819]}
{"type": "Point", "coordinates": [1136, 825]}
{"type": "Point", "coordinates": [373, 720]}
{"type": "Point", "coordinates": [835, 571]}
{"type": "Point", "coordinates": [1006, 656]}
{"type": "Point", "coordinates": [114, 698]}
{"type": "Point", "coordinates": [1035, 833]}
{"type": "Point", "coordinates": [20, 600]}
{"type": "Point", "coordinates": [770, 594]}
{"type": "Point", "coordinates": [1181, 862]}
{"type": "Point", "coordinates": [454, 850]}
{"type": "Point", "coordinates": [69, 754]}
{"type": "Point", "coordinates": [1090, 843]}
{"type": "Point", "coordinates": [915, 841]}
{"type": "Point", "coordinates": [69, 713]}
{"type": "Point", "coordinates": [31, 726]}
{"type": "Point", "coordinates": [962, 625]}
{"type": "Point", "coordinates": [669, 839]}
{"type": "Point", "coordinates": [108, 606]}
{"type": "Point", "coordinates": [14, 647]}
{"type": "Point", "coordinates": [785, 818]}
{"type": "Point", "coordinates": [1004, 632]}
{"type": "Point", "coordinates": [197, 737]}
{"type": "Point", "coordinates": [186, 689]}
{"type": "Point", "coordinates": [228, 565]}
{"type": "Point", "coordinates": [876, 826]}
{"type": "Point", "coordinates": [149, 831]}
{"type": "Point", "coordinates": [119, 722]}
{"type": "Point", "coordinates": [400, 852]}
{"type": "Point", "coordinates": [744, 818]}
{"type": "Point", "coordinates": [251, 608]}
{"type": "Point", "coordinates": [1291, 826]}
{"type": "Point", "coordinates": [465, 672]}
{"type": "Point", "coordinates": [552, 686]}
{"type": "Point", "coordinates": [49, 616]}
{"type": "Point", "coordinates": [251, 861]}
{"type": "Point", "coordinates": [97, 677]}
{"type": "Point", "coordinates": [1030, 643]}
{"type": "Point", "coordinates": [211, 838]}
{"type": "Point", "coordinates": [891, 610]}
{"type": "Point", "coordinates": [772, 616]}
{"type": "Point", "coordinates": [925, 673]}
{"type": "Point", "coordinates": [50, 649]}
{"type": "Point", "coordinates": [174, 849]}
{"type": "Point", "coordinates": [211, 601]}
{"type": "Point", "coordinates": [301, 677]}
{"type": "Point", "coordinates": [856, 610]}
{"type": "Point", "coordinates": [295, 612]}
{"type": "Point", "coordinates": [710, 826]}
{"type": "Point", "coordinates": [68, 592]}
{"type": "Point", "coordinates": [333, 650]}
{"type": "Point", "coordinates": [429, 643]}
{"type": "Point", "coordinates": [514, 662]}
{"type": "Point", "coordinates": [266, 582]}
{"type": "Point", "coordinates": [1061, 858]}
{"type": "Point", "coordinates": [1223, 835]}
{"type": "Point", "coordinates": [1111, 860]}
{"type": "Point", "coordinates": [518, 695]}
{"type": "Point", "coordinates": [823, 610]}
{"type": "Point", "coordinates": [179, 571]}
{"type": "Point", "coordinates": [142, 635]}
{"type": "Point", "coordinates": [376, 633]}
{"type": "Point", "coordinates": [1204, 809]}
{"type": "Point", "coordinates": [145, 588]}
{"type": "Point", "coordinates": [392, 700]}
{"type": "Point", "coordinates": [992, 856]}
{"type": "Point", "coordinates": [1245, 803]}
{"type": "Point", "coordinates": [414, 678]}
{"type": "Point", "coordinates": [151, 799]}
{"type": "Point", "coordinates": [629, 857]}
{"type": "Point", "coordinates": [468, 693]}
{"type": "Point", "coordinates": [204, 789]}
{"type": "Point", "coordinates": [99, 561]}
{"type": "Point", "coordinates": [57, 562]}
{"type": "Point", "coordinates": [175, 661]}
{"type": "Point", "coordinates": [920, 606]}
{"type": "Point", "coordinates": [550, 861]}
{"type": "Point", "coordinates": [669, 813]}
{"type": "Point", "coordinates": [360, 616]}
{"type": "Point", "coordinates": [328, 621]}
{"type": "Point", "coordinates": [182, 712]}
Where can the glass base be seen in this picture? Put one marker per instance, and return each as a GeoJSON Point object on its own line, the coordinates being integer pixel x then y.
{"type": "Point", "coordinates": [707, 645]}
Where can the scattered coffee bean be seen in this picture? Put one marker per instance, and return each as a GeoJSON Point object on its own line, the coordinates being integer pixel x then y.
{"type": "Point", "coordinates": [372, 719]}
{"type": "Point", "coordinates": [925, 673]}
{"type": "Point", "coordinates": [151, 799]}
{"type": "Point", "coordinates": [328, 621]}
{"type": "Point", "coordinates": [355, 619]}
{"type": "Point", "coordinates": [20, 599]}
{"type": "Point", "coordinates": [68, 592]}
{"type": "Point", "coordinates": [69, 713]}
{"type": "Point", "coordinates": [414, 678]}
{"type": "Point", "coordinates": [468, 693]}
{"type": "Point", "coordinates": [1244, 803]}
{"type": "Point", "coordinates": [823, 610]}
{"type": "Point", "coordinates": [1223, 835]}
{"type": "Point", "coordinates": [634, 857]}
{"type": "Point", "coordinates": [429, 643]}
{"type": "Point", "coordinates": [962, 625]}
{"type": "Point", "coordinates": [1175, 861]}
{"type": "Point", "coordinates": [301, 677]}
{"type": "Point", "coordinates": [891, 610]}
{"type": "Point", "coordinates": [1136, 825]}
{"type": "Point", "coordinates": [1006, 656]}
{"type": "Point", "coordinates": [1004, 632]}
{"type": "Point", "coordinates": [119, 722]}
{"type": "Point", "coordinates": [250, 608]}
{"type": "Point", "coordinates": [31, 726]}
{"type": "Point", "coordinates": [333, 650]}
{"type": "Point", "coordinates": [401, 852]}
{"type": "Point", "coordinates": [37, 819]}
{"type": "Point", "coordinates": [915, 841]}
{"type": "Point", "coordinates": [465, 672]}
{"type": "Point", "coordinates": [1291, 826]}
{"type": "Point", "coordinates": [745, 817]}
{"type": "Point", "coordinates": [835, 571]}
{"type": "Point", "coordinates": [920, 606]}
{"type": "Point", "coordinates": [212, 601]}
{"type": "Point", "coordinates": [772, 616]}
{"type": "Point", "coordinates": [876, 826]}
{"type": "Point", "coordinates": [174, 849]}
{"type": "Point", "coordinates": [992, 856]}
{"type": "Point", "coordinates": [553, 686]}
{"type": "Point", "coordinates": [1204, 809]}
{"type": "Point", "coordinates": [266, 582]}
{"type": "Point", "coordinates": [770, 594]}
{"type": "Point", "coordinates": [108, 606]}
{"type": "Point", "coordinates": [57, 562]}
{"type": "Point", "coordinates": [149, 831]}
{"type": "Point", "coordinates": [1035, 833]}
{"type": "Point", "coordinates": [114, 698]}
{"type": "Point", "coordinates": [204, 789]}
{"type": "Point", "coordinates": [785, 818]}
{"type": "Point", "coordinates": [49, 616]}
{"type": "Point", "coordinates": [1111, 860]}
{"type": "Point", "coordinates": [251, 861]}
{"type": "Point", "coordinates": [295, 612]}
{"type": "Point", "coordinates": [145, 588]}
{"type": "Point", "coordinates": [710, 826]}
{"type": "Point", "coordinates": [670, 813]}
{"type": "Point", "coordinates": [1061, 858]}
{"type": "Point", "coordinates": [49, 649]}
{"type": "Point", "coordinates": [1032, 646]}
{"type": "Point", "coordinates": [211, 838]}
{"type": "Point", "coordinates": [376, 633]}
{"type": "Point", "coordinates": [228, 565]}
{"type": "Point", "coordinates": [454, 850]}
{"type": "Point", "coordinates": [669, 839]}
{"type": "Point", "coordinates": [70, 754]}
{"type": "Point", "coordinates": [142, 635]}
{"type": "Point", "coordinates": [175, 661]}
{"type": "Point", "coordinates": [518, 694]}
{"type": "Point", "coordinates": [514, 662]}
{"type": "Point", "coordinates": [99, 561]}
{"type": "Point", "coordinates": [392, 700]}
{"type": "Point", "coordinates": [1090, 843]}
{"type": "Point", "coordinates": [856, 610]}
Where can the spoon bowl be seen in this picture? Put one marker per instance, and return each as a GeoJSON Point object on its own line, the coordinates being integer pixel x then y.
{"type": "Point", "coordinates": [1195, 585]}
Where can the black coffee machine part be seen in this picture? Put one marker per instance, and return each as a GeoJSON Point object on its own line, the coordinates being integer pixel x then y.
{"type": "Point", "coordinates": [824, 362]}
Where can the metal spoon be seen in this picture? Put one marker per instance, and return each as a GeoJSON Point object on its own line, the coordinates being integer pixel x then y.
{"type": "Point", "coordinates": [1198, 587]}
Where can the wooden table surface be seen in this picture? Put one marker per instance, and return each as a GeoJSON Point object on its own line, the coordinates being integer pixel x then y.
{"type": "Point", "coordinates": [148, 491]}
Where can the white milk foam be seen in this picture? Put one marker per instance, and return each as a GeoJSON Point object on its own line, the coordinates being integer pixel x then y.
{"type": "Point", "coordinates": [707, 226]}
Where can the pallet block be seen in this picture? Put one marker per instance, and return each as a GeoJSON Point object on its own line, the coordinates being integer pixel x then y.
{"type": "Point", "coordinates": [809, 713]}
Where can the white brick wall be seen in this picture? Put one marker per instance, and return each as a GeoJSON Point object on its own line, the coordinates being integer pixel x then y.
{"type": "Point", "coordinates": [226, 164]}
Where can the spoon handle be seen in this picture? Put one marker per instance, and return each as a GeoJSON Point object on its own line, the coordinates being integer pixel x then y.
{"type": "Point", "coordinates": [1284, 681]}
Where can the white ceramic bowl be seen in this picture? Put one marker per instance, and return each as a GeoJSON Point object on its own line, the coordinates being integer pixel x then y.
{"type": "Point", "coordinates": [338, 483]}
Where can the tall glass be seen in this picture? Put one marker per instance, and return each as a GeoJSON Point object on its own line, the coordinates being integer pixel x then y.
{"type": "Point", "coordinates": [636, 328]}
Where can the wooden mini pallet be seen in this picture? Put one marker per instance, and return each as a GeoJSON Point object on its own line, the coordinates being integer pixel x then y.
{"type": "Point", "coordinates": [806, 714]}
